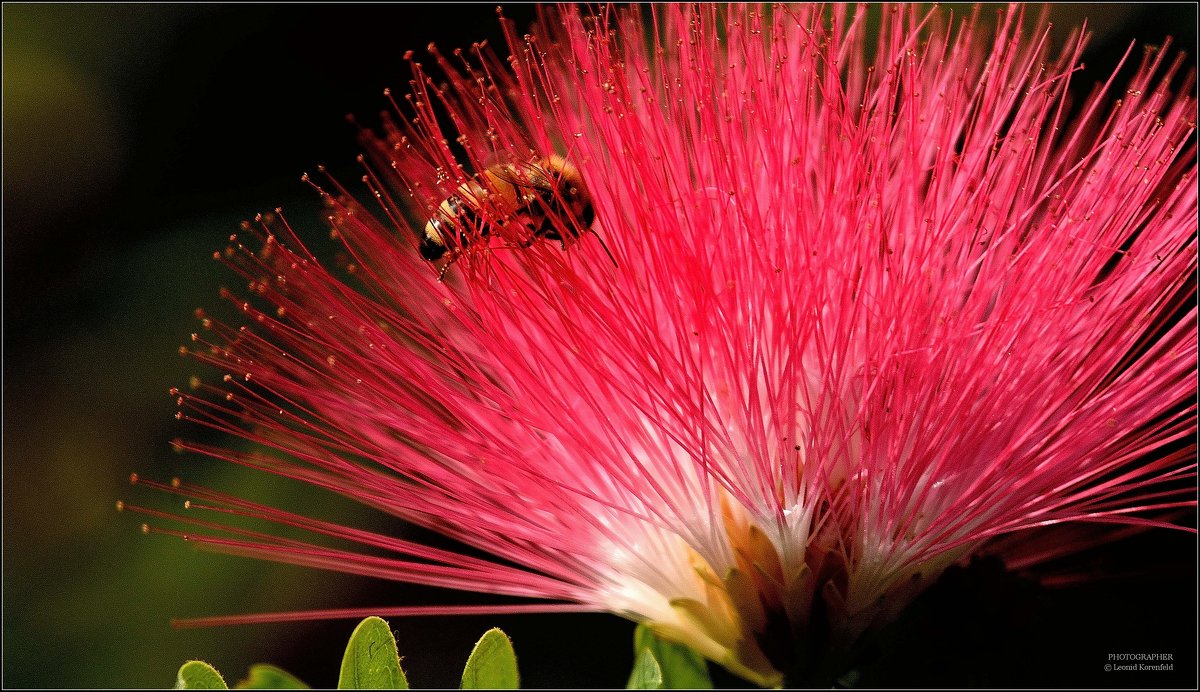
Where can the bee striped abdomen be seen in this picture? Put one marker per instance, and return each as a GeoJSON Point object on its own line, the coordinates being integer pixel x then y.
{"type": "Point", "coordinates": [450, 228]}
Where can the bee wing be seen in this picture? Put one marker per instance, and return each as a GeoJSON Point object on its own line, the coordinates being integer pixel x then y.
{"type": "Point", "coordinates": [527, 175]}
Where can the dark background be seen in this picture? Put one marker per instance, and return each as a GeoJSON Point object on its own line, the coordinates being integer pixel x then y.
{"type": "Point", "coordinates": [136, 137]}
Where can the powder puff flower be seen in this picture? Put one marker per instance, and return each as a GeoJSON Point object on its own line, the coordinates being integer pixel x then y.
{"type": "Point", "coordinates": [744, 323]}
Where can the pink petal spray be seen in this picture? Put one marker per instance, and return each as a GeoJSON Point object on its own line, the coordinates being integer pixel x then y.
{"type": "Point", "coordinates": [854, 304]}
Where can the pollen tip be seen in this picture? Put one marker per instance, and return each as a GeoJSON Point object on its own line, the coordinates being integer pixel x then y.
{"type": "Point", "coordinates": [133, 478]}
{"type": "Point", "coordinates": [175, 482]}
{"type": "Point", "coordinates": [146, 529]}
{"type": "Point", "coordinates": [187, 504]}
{"type": "Point", "coordinates": [120, 505]}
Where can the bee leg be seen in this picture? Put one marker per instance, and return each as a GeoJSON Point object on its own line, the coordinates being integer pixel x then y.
{"type": "Point", "coordinates": [446, 267]}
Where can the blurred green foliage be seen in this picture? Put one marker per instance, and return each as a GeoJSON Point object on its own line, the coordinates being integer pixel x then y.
{"type": "Point", "coordinates": [198, 675]}
{"type": "Point", "coordinates": [264, 676]}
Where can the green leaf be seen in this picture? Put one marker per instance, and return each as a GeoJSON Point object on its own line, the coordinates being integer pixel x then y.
{"type": "Point", "coordinates": [646, 674]}
{"type": "Point", "coordinates": [371, 661]}
{"type": "Point", "coordinates": [198, 675]}
{"type": "Point", "coordinates": [493, 664]}
{"type": "Point", "coordinates": [268, 677]}
{"type": "Point", "coordinates": [682, 668]}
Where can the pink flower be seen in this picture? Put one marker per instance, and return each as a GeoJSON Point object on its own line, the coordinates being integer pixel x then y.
{"type": "Point", "coordinates": [848, 310]}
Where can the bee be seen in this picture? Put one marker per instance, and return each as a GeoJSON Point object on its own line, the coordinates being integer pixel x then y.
{"type": "Point", "coordinates": [545, 197]}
